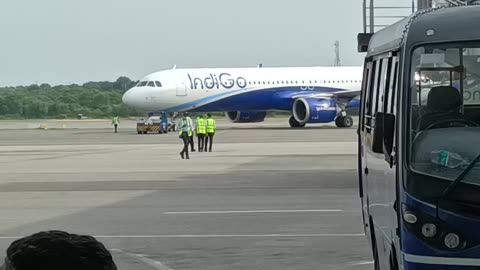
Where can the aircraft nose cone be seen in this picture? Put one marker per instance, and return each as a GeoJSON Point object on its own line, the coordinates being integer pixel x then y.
{"type": "Point", "coordinates": [126, 98]}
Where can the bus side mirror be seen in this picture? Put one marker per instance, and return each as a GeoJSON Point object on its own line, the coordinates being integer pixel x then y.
{"type": "Point", "coordinates": [377, 141]}
{"type": "Point", "coordinates": [383, 135]}
{"type": "Point", "coordinates": [362, 41]}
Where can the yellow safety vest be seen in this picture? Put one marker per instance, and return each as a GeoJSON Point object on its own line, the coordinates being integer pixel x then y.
{"type": "Point", "coordinates": [115, 120]}
{"type": "Point", "coordinates": [210, 125]}
{"type": "Point", "coordinates": [201, 128]}
{"type": "Point", "coordinates": [182, 125]}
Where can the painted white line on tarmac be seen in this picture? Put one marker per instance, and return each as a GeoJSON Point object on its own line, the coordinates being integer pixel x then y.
{"type": "Point", "coordinates": [254, 211]}
{"type": "Point", "coordinates": [142, 258]}
{"type": "Point", "coordinates": [218, 235]}
{"type": "Point", "coordinates": [362, 263]}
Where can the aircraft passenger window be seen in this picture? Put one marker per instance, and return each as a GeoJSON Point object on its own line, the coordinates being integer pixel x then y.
{"type": "Point", "coordinates": [296, 82]}
{"type": "Point", "coordinates": [159, 84]}
{"type": "Point", "coordinates": [263, 82]}
{"type": "Point", "coordinates": [310, 81]}
{"type": "Point", "coordinates": [254, 82]}
{"type": "Point", "coordinates": [259, 82]}
{"type": "Point", "coordinates": [150, 83]}
{"type": "Point", "coordinates": [250, 83]}
{"type": "Point", "coordinates": [303, 82]}
{"type": "Point", "coordinates": [282, 82]}
{"type": "Point", "coordinates": [315, 81]}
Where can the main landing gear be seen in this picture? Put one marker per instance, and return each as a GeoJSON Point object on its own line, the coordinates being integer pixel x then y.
{"type": "Point", "coordinates": [294, 123]}
{"type": "Point", "coordinates": [343, 120]}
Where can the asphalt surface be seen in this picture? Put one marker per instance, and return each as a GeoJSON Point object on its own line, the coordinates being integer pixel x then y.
{"type": "Point", "coordinates": [268, 197]}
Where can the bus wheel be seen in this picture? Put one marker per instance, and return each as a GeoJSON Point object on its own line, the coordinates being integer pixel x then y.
{"type": "Point", "coordinates": [393, 259]}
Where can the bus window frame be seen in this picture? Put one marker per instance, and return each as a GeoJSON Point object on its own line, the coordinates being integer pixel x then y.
{"type": "Point", "coordinates": [365, 86]}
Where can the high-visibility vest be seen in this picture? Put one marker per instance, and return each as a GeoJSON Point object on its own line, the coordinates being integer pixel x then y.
{"type": "Point", "coordinates": [115, 120]}
{"type": "Point", "coordinates": [201, 128]}
{"type": "Point", "coordinates": [210, 125]}
{"type": "Point", "coordinates": [185, 123]}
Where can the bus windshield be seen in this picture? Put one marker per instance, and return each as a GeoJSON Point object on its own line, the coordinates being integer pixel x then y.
{"type": "Point", "coordinates": [444, 111]}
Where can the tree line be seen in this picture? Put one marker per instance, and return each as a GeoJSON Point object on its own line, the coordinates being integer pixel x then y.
{"type": "Point", "coordinates": [93, 99]}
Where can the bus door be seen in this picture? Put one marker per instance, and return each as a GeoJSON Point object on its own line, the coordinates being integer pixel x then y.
{"type": "Point", "coordinates": [380, 170]}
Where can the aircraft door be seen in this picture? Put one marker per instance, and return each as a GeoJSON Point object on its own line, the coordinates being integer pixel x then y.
{"type": "Point", "coordinates": [181, 88]}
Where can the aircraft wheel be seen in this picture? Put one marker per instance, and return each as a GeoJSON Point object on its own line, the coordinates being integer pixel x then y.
{"type": "Point", "coordinates": [344, 121]}
{"type": "Point", "coordinates": [339, 122]}
{"type": "Point", "coordinates": [348, 121]}
{"type": "Point", "coordinates": [294, 123]}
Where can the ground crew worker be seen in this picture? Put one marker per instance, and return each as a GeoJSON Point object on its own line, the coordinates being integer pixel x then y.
{"type": "Point", "coordinates": [201, 131]}
{"type": "Point", "coordinates": [211, 128]}
{"type": "Point", "coordinates": [115, 122]}
{"type": "Point", "coordinates": [184, 134]}
{"type": "Point", "coordinates": [190, 137]}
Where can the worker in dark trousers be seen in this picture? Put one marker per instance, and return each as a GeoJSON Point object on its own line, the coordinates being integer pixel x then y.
{"type": "Point", "coordinates": [201, 130]}
{"type": "Point", "coordinates": [211, 128]}
{"type": "Point", "coordinates": [115, 122]}
{"type": "Point", "coordinates": [190, 136]}
{"type": "Point", "coordinates": [184, 134]}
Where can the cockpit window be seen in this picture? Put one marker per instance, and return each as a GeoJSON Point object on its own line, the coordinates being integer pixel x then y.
{"type": "Point", "coordinates": [159, 84]}
{"type": "Point", "coordinates": [150, 83]}
{"type": "Point", "coordinates": [141, 84]}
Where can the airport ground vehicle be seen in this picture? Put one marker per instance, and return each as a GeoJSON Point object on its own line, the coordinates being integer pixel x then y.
{"type": "Point", "coordinates": [156, 122]}
{"type": "Point", "coordinates": [418, 141]}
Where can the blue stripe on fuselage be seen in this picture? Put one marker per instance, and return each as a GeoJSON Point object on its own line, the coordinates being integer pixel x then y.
{"type": "Point", "coordinates": [279, 98]}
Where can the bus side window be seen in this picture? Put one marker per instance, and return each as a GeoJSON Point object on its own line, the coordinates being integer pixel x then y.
{"type": "Point", "coordinates": [378, 88]}
{"type": "Point", "coordinates": [369, 98]}
{"type": "Point", "coordinates": [365, 92]}
{"type": "Point", "coordinates": [373, 96]}
{"type": "Point", "coordinates": [382, 91]}
{"type": "Point", "coordinates": [387, 84]}
{"type": "Point", "coordinates": [392, 101]}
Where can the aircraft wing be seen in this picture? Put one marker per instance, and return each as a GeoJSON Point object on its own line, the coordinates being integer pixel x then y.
{"type": "Point", "coordinates": [342, 95]}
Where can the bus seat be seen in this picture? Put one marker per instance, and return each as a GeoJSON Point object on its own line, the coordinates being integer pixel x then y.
{"type": "Point", "coordinates": [443, 102]}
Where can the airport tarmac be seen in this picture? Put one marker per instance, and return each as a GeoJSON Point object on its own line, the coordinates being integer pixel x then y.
{"type": "Point", "coordinates": [268, 197]}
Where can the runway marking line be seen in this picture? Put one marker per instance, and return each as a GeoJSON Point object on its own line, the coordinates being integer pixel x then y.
{"type": "Point", "coordinates": [254, 211]}
{"type": "Point", "coordinates": [144, 259]}
{"type": "Point", "coordinates": [218, 235]}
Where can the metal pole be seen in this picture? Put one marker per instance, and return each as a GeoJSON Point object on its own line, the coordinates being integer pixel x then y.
{"type": "Point", "coordinates": [364, 16]}
{"type": "Point", "coordinates": [372, 18]}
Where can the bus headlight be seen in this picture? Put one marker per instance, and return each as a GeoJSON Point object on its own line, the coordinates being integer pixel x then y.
{"type": "Point", "coordinates": [452, 240]}
{"type": "Point", "coordinates": [429, 230]}
{"type": "Point", "coordinates": [410, 217]}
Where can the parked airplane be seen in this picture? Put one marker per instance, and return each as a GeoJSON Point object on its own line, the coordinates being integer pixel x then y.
{"type": "Point", "coordinates": [312, 94]}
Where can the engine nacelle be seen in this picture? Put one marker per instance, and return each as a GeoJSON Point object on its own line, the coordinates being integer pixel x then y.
{"type": "Point", "coordinates": [314, 110]}
{"type": "Point", "coordinates": [353, 107]}
{"type": "Point", "coordinates": [245, 117]}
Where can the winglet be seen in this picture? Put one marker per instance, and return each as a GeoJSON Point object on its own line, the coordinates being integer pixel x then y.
{"type": "Point", "coordinates": [260, 65]}
{"type": "Point", "coordinates": [174, 67]}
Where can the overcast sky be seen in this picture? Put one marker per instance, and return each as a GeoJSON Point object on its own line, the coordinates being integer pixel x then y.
{"type": "Point", "coordinates": [66, 41]}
